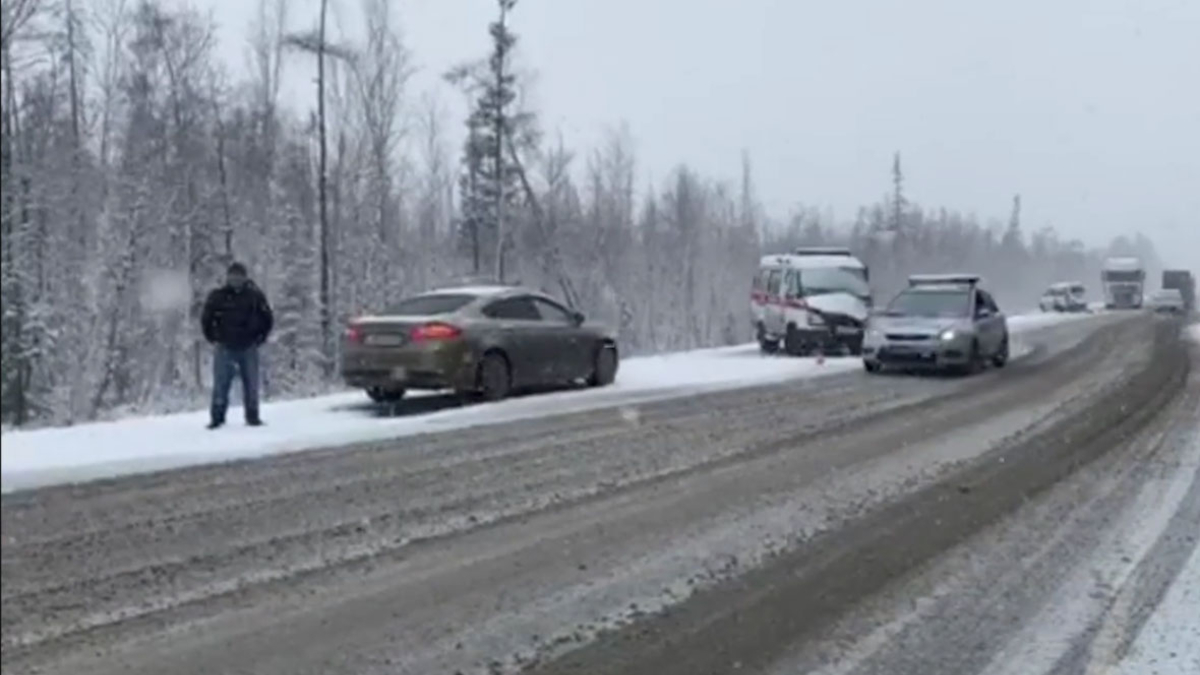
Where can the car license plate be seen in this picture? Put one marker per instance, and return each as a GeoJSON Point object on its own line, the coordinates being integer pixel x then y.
{"type": "Point", "coordinates": [847, 330]}
{"type": "Point", "coordinates": [383, 340]}
{"type": "Point", "coordinates": [399, 373]}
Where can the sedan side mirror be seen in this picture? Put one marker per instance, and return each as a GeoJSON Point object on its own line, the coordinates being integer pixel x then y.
{"type": "Point", "coordinates": [578, 318]}
{"type": "Point", "coordinates": [983, 313]}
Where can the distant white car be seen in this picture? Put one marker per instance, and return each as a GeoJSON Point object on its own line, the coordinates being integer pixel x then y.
{"type": "Point", "coordinates": [1167, 301]}
{"type": "Point", "coordinates": [1066, 296]}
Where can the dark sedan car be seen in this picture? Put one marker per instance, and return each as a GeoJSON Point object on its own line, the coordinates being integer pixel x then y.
{"type": "Point", "coordinates": [485, 340]}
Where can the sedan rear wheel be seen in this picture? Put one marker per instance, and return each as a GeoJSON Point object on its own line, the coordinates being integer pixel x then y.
{"type": "Point", "coordinates": [495, 379]}
{"type": "Point", "coordinates": [604, 370]}
{"type": "Point", "coordinates": [386, 394]}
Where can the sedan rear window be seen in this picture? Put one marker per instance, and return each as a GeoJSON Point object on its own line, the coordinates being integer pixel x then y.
{"type": "Point", "coordinates": [430, 305]}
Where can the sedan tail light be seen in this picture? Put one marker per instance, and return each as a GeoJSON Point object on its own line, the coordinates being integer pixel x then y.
{"type": "Point", "coordinates": [435, 331]}
{"type": "Point", "coordinates": [354, 334]}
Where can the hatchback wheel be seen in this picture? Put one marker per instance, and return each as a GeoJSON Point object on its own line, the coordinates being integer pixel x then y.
{"type": "Point", "coordinates": [1001, 357]}
{"type": "Point", "coordinates": [495, 380]}
{"type": "Point", "coordinates": [975, 363]}
{"type": "Point", "coordinates": [604, 369]}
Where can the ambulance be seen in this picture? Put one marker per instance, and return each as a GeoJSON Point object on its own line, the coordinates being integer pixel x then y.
{"type": "Point", "coordinates": [812, 300]}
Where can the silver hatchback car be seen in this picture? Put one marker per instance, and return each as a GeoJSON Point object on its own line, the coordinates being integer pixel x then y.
{"type": "Point", "coordinates": [940, 322]}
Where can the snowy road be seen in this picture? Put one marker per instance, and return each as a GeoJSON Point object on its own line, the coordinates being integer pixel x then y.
{"type": "Point", "coordinates": [48, 456]}
{"type": "Point", "coordinates": [778, 527]}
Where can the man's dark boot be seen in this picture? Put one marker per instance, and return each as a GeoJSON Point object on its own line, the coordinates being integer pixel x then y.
{"type": "Point", "coordinates": [215, 424]}
{"type": "Point", "coordinates": [254, 422]}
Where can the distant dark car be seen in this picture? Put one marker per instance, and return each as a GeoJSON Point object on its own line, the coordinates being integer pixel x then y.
{"type": "Point", "coordinates": [481, 340]}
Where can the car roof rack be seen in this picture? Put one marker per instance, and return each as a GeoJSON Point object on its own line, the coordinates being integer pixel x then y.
{"type": "Point", "coordinates": [943, 279]}
{"type": "Point", "coordinates": [822, 250]}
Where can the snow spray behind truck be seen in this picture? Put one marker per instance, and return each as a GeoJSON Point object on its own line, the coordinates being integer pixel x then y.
{"type": "Point", "coordinates": [1185, 283]}
{"type": "Point", "coordinates": [1123, 280]}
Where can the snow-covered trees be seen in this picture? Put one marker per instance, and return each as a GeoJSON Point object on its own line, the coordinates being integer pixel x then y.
{"type": "Point", "coordinates": [133, 169]}
{"type": "Point", "coordinates": [490, 186]}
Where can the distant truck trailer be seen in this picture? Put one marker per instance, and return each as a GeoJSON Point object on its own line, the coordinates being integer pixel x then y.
{"type": "Point", "coordinates": [1185, 283]}
{"type": "Point", "coordinates": [1123, 281]}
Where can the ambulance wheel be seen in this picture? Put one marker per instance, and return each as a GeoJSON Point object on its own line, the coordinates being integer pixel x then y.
{"type": "Point", "coordinates": [765, 343]}
{"type": "Point", "coordinates": [793, 342]}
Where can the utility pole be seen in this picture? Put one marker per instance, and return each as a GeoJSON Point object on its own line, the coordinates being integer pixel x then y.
{"type": "Point", "coordinates": [322, 195]}
{"type": "Point", "coordinates": [499, 79]}
{"type": "Point", "coordinates": [316, 43]}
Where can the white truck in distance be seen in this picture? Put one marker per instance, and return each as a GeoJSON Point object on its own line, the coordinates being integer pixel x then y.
{"type": "Point", "coordinates": [1123, 279]}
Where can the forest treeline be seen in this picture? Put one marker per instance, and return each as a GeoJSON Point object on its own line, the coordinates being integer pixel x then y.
{"type": "Point", "coordinates": [135, 167]}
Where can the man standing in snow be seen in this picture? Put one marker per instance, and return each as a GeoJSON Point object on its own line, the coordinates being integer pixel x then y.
{"type": "Point", "coordinates": [236, 320]}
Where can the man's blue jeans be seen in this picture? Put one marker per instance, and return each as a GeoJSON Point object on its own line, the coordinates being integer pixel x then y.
{"type": "Point", "coordinates": [226, 364]}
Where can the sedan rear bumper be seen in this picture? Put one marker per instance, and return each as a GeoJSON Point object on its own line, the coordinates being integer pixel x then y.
{"type": "Point", "coordinates": [432, 369]}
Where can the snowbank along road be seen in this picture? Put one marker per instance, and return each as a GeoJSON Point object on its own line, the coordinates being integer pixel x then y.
{"type": "Point", "coordinates": [98, 450]}
{"type": "Point", "coordinates": [1032, 516]}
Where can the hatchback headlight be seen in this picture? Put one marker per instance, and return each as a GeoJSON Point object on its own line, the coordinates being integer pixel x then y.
{"type": "Point", "coordinates": [948, 335]}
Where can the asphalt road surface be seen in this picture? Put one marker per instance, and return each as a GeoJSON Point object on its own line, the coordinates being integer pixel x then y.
{"type": "Point", "coordinates": [852, 525]}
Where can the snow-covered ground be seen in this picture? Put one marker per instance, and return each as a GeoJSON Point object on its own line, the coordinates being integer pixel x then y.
{"type": "Point", "coordinates": [1169, 643]}
{"type": "Point", "coordinates": [89, 451]}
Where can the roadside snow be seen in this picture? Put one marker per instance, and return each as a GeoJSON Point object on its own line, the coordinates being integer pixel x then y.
{"type": "Point", "coordinates": [103, 449]}
{"type": "Point", "coordinates": [1194, 332]}
{"type": "Point", "coordinates": [1027, 322]}
{"type": "Point", "coordinates": [134, 445]}
{"type": "Point", "coordinates": [1169, 643]}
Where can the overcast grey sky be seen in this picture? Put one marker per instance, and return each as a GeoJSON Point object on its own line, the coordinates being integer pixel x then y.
{"type": "Point", "coordinates": [1088, 108]}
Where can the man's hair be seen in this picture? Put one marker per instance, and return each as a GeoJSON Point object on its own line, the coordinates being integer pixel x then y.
{"type": "Point", "coordinates": [236, 268]}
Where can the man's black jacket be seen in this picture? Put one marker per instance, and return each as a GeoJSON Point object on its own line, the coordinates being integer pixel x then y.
{"type": "Point", "coordinates": [237, 317]}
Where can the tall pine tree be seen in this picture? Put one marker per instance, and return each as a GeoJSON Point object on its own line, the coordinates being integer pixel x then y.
{"type": "Point", "coordinates": [490, 185]}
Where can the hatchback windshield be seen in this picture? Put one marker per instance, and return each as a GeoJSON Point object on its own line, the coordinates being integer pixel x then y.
{"type": "Point", "coordinates": [930, 304]}
{"type": "Point", "coordinates": [821, 280]}
{"type": "Point", "coordinates": [430, 305]}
